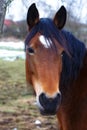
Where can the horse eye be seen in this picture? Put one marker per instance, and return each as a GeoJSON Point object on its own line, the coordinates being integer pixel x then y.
{"type": "Point", "coordinates": [62, 54]}
{"type": "Point", "coordinates": [30, 51]}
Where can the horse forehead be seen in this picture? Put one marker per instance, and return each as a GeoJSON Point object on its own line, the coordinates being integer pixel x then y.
{"type": "Point", "coordinates": [39, 38]}
{"type": "Point", "coordinates": [34, 39]}
{"type": "Point", "coordinates": [45, 42]}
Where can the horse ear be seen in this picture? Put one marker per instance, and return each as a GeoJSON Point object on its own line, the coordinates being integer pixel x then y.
{"type": "Point", "coordinates": [32, 16]}
{"type": "Point", "coordinates": [60, 17]}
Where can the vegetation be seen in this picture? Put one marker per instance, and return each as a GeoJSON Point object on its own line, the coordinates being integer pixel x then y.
{"type": "Point", "coordinates": [17, 105]}
{"type": "Point", "coordinates": [12, 79]}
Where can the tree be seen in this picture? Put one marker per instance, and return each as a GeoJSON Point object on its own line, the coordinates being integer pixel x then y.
{"type": "Point", "coordinates": [3, 6]}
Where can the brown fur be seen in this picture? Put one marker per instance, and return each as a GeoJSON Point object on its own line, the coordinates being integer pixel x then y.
{"type": "Point", "coordinates": [72, 114]}
{"type": "Point", "coordinates": [34, 71]}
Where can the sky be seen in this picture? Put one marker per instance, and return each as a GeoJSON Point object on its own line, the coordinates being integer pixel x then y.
{"type": "Point", "coordinates": [17, 11]}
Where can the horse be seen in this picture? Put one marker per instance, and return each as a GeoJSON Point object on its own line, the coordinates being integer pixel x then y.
{"type": "Point", "coordinates": [56, 67]}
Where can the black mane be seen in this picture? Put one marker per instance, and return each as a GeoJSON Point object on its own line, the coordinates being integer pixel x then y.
{"type": "Point", "coordinates": [72, 66]}
{"type": "Point", "coordinates": [76, 48]}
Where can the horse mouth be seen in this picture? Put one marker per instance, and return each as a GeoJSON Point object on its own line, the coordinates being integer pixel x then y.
{"type": "Point", "coordinates": [47, 112]}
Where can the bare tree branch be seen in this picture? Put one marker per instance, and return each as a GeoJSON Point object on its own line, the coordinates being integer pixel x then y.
{"type": "Point", "coordinates": [3, 6]}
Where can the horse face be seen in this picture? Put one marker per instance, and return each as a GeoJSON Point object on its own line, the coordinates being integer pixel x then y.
{"type": "Point", "coordinates": [44, 65]}
{"type": "Point", "coordinates": [44, 69]}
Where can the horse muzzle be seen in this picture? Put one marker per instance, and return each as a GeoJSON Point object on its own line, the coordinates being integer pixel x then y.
{"type": "Point", "coordinates": [49, 106]}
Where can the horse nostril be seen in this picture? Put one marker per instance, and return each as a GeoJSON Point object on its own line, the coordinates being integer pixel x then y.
{"type": "Point", "coordinates": [59, 96]}
{"type": "Point", "coordinates": [43, 99]}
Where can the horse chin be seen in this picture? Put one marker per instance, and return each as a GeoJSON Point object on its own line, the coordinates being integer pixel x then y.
{"type": "Point", "coordinates": [47, 113]}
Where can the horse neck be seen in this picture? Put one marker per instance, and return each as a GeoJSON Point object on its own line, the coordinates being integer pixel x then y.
{"type": "Point", "coordinates": [78, 86]}
{"type": "Point", "coordinates": [83, 71]}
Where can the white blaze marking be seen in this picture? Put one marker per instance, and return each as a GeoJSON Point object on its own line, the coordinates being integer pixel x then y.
{"type": "Point", "coordinates": [45, 42]}
{"type": "Point", "coordinates": [39, 90]}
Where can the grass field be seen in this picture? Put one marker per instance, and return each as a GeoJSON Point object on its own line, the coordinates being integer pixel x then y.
{"type": "Point", "coordinates": [12, 79]}
{"type": "Point", "coordinates": [17, 104]}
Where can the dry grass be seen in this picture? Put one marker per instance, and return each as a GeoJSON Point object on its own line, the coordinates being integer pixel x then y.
{"type": "Point", "coordinates": [17, 105]}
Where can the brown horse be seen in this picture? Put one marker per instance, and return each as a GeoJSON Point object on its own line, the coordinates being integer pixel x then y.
{"type": "Point", "coordinates": [56, 67]}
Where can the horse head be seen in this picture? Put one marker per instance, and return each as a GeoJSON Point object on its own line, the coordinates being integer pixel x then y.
{"type": "Point", "coordinates": [44, 58]}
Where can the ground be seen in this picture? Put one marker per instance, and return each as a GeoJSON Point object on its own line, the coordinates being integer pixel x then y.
{"type": "Point", "coordinates": [18, 110]}
{"type": "Point", "coordinates": [22, 114]}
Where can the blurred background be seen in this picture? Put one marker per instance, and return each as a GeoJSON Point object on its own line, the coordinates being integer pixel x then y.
{"type": "Point", "coordinates": [13, 23]}
{"type": "Point", "coordinates": [18, 109]}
